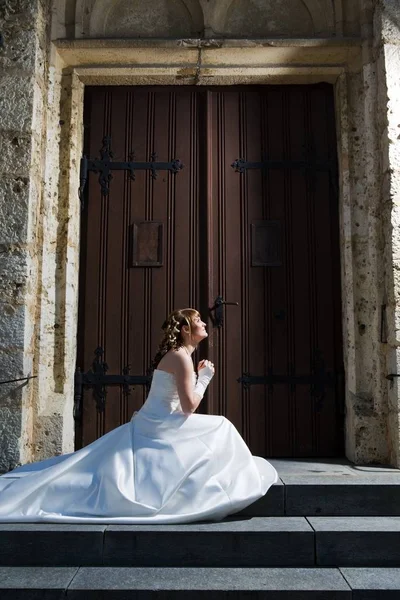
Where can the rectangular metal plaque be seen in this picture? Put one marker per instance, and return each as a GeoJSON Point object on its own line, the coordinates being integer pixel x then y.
{"type": "Point", "coordinates": [146, 247]}
{"type": "Point", "coordinates": [266, 244]}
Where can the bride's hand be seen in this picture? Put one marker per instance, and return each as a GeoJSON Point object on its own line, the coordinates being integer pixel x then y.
{"type": "Point", "coordinates": [207, 367]}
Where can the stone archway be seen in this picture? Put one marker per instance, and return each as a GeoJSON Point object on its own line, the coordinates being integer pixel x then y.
{"type": "Point", "coordinates": [88, 18]}
{"type": "Point", "coordinates": [303, 18]}
{"type": "Point", "coordinates": [323, 16]}
{"type": "Point", "coordinates": [129, 18]}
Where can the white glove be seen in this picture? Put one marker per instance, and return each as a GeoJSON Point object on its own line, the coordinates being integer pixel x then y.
{"type": "Point", "coordinates": [206, 373]}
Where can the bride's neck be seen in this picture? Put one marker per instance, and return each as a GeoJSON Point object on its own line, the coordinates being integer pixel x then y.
{"type": "Point", "coordinates": [190, 348]}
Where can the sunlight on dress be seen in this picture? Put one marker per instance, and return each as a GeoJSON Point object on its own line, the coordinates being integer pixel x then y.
{"type": "Point", "coordinates": [161, 467]}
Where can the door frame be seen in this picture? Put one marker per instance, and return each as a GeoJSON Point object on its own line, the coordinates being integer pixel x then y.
{"type": "Point", "coordinates": [92, 62]}
{"type": "Point", "coordinates": [206, 111]}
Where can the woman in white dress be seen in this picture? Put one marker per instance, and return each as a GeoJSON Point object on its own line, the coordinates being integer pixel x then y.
{"type": "Point", "coordinates": [167, 465]}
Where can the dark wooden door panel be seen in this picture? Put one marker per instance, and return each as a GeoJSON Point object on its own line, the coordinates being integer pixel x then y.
{"type": "Point", "coordinates": [123, 307]}
{"type": "Point", "coordinates": [266, 238]}
{"type": "Point", "coordinates": [289, 315]}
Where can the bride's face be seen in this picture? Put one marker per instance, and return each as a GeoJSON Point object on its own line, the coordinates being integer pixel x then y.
{"type": "Point", "coordinates": [198, 328]}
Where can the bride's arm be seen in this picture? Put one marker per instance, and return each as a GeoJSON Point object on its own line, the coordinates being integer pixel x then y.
{"type": "Point", "coordinates": [190, 397]}
{"type": "Point", "coordinates": [184, 382]}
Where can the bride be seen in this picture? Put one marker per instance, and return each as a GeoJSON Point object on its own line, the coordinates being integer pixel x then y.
{"type": "Point", "coordinates": [167, 465]}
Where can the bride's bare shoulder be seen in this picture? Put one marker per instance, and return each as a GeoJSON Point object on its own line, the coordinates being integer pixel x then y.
{"type": "Point", "coordinates": [172, 360]}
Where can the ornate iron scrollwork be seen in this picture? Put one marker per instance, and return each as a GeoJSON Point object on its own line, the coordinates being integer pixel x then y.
{"type": "Point", "coordinates": [105, 165]}
{"type": "Point", "coordinates": [97, 379]}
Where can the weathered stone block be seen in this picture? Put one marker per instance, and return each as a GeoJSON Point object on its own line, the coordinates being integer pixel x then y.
{"type": "Point", "coordinates": [15, 153]}
{"type": "Point", "coordinates": [390, 21]}
{"type": "Point", "coordinates": [16, 102]}
{"type": "Point", "coordinates": [19, 46]}
{"type": "Point", "coordinates": [13, 276]}
{"type": "Point", "coordinates": [11, 395]}
{"type": "Point", "coordinates": [10, 433]}
{"type": "Point", "coordinates": [24, 30]}
{"type": "Point", "coordinates": [14, 203]}
{"type": "Point", "coordinates": [12, 321]}
{"type": "Point", "coordinates": [48, 438]}
{"type": "Point", "coordinates": [19, 10]}
{"type": "Point", "coordinates": [11, 365]}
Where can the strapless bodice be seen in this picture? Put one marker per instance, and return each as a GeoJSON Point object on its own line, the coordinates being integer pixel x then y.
{"type": "Point", "coordinates": [163, 397]}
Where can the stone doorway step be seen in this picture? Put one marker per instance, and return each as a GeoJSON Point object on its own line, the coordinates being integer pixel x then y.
{"type": "Point", "coordinates": [330, 488]}
{"type": "Point", "coordinates": [329, 530]}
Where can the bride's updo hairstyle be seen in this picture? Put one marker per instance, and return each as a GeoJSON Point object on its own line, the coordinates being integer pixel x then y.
{"type": "Point", "coordinates": [172, 327]}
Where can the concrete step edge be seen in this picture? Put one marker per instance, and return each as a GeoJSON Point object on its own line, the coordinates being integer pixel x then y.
{"type": "Point", "coordinates": [199, 579]}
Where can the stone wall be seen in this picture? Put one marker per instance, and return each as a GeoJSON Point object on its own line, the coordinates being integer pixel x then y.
{"type": "Point", "coordinates": [23, 60]}
{"type": "Point", "coordinates": [41, 143]}
{"type": "Point", "coordinates": [363, 272]}
{"type": "Point", "coordinates": [38, 236]}
{"type": "Point", "coordinates": [369, 132]}
{"type": "Point", "coordinates": [387, 53]}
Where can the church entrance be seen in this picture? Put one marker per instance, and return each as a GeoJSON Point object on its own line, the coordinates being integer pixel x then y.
{"type": "Point", "coordinates": [226, 200]}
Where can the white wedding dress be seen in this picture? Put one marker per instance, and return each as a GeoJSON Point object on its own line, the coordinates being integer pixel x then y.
{"type": "Point", "coordinates": [161, 467]}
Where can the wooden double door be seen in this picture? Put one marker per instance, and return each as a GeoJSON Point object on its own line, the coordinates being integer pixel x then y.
{"type": "Point", "coordinates": [251, 218]}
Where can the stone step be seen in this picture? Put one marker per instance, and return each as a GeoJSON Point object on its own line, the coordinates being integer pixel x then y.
{"type": "Point", "coordinates": [357, 541]}
{"type": "Point", "coordinates": [330, 488]}
{"type": "Point", "coordinates": [121, 583]}
{"type": "Point", "coordinates": [252, 542]}
{"type": "Point", "coordinates": [327, 496]}
{"type": "Point", "coordinates": [324, 497]}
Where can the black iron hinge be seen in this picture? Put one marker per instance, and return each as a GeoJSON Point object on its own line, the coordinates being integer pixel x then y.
{"type": "Point", "coordinates": [105, 165]}
{"type": "Point", "coordinates": [97, 379]}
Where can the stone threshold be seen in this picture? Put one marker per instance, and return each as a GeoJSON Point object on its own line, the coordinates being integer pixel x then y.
{"type": "Point", "coordinates": [330, 487]}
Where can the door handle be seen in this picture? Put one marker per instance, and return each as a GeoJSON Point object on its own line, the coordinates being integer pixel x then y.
{"type": "Point", "coordinates": [218, 308]}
